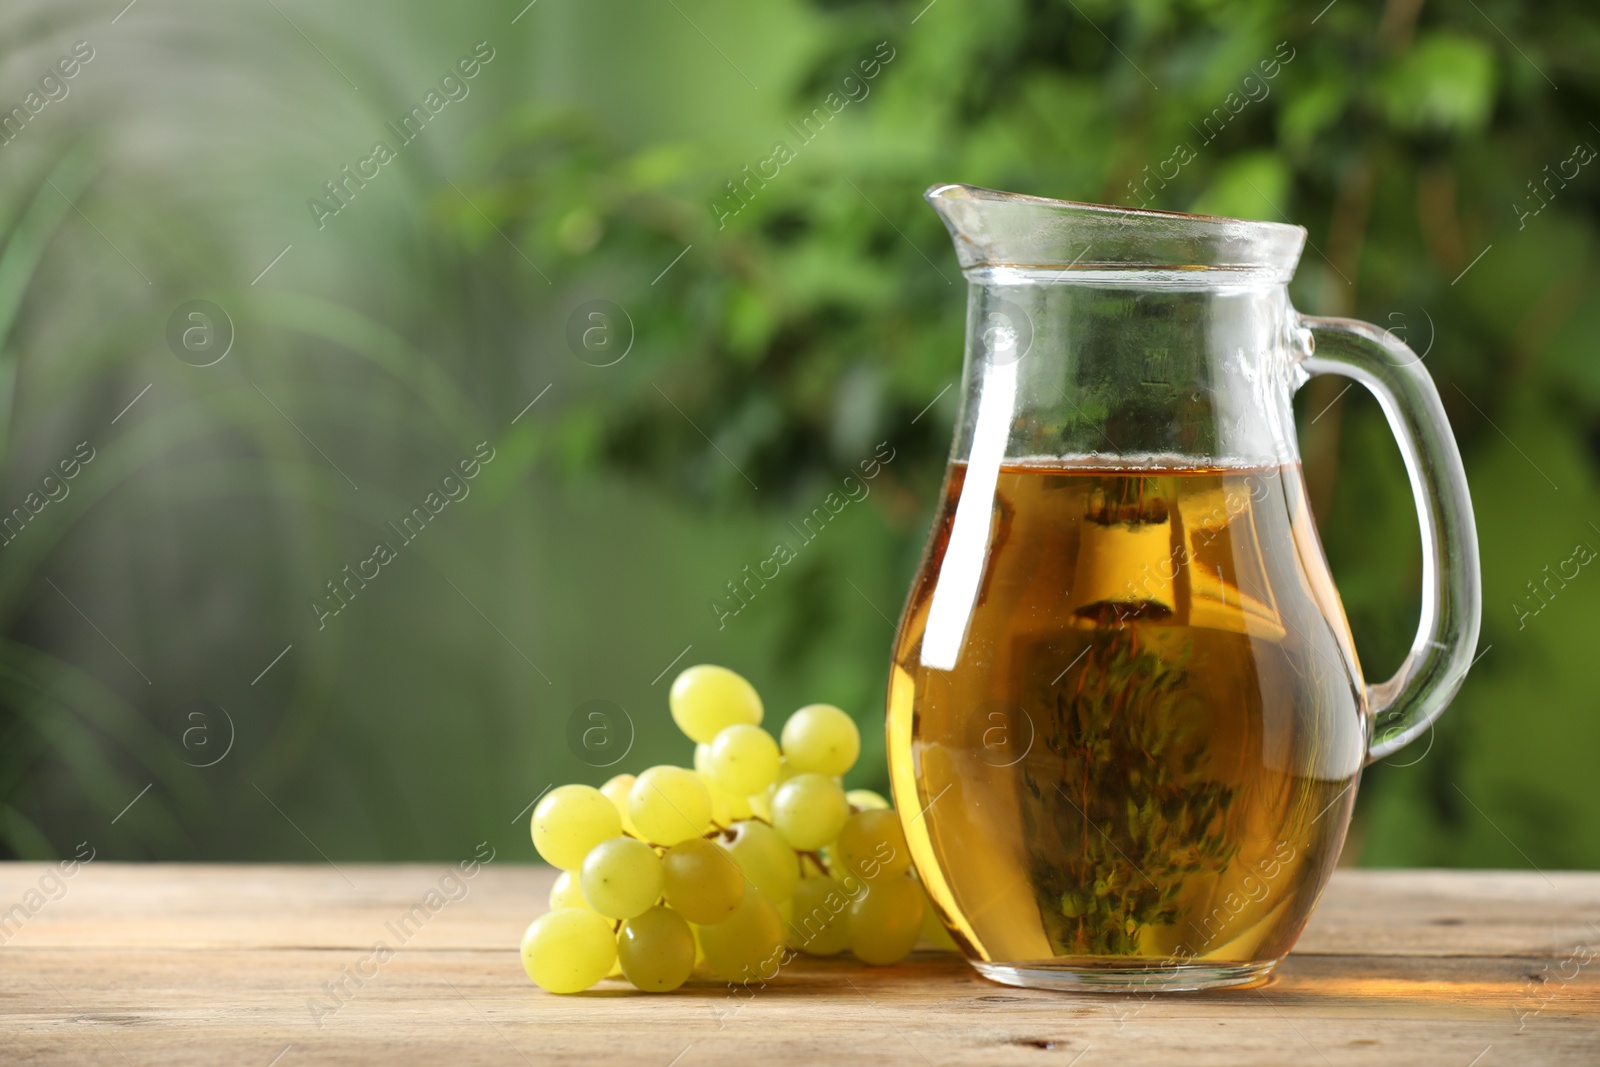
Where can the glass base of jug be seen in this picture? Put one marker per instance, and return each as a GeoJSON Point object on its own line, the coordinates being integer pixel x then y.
{"type": "Point", "coordinates": [1127, 978]}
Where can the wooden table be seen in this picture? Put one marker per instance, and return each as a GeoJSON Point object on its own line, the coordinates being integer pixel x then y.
{"type": "Point", "coordinates": [171, 965]}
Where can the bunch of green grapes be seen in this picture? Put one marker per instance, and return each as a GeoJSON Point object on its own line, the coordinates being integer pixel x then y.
{"type": "Point", "coordinates": [755, 854]}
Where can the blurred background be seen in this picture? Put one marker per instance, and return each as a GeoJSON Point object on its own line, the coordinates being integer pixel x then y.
{"type": "Point", "coordinates": [240, 345]}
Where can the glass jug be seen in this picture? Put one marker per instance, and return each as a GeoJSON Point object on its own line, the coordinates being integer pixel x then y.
{"type": "Point", "coordinates": [1125, 716]}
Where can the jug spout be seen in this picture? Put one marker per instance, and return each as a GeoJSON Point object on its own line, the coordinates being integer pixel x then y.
{"type": "Point", "coordinates": [993, 229]}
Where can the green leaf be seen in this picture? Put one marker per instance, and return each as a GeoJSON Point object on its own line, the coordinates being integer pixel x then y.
{"type": "Point", "coordinates": [1309, 112]}
{"type": "Point", "coordinates": [1446, 82]}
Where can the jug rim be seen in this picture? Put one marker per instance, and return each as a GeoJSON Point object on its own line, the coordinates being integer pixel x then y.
{"type": "Point", "coordinates": [1020, 232]}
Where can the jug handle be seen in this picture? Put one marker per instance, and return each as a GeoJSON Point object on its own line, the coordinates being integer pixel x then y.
{"type": "Point", "coordinates": [1447, 630]}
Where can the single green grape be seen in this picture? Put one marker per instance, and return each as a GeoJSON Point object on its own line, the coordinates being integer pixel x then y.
{"type": "Point", "coordinates": [872, 846]}
{"type": "Point", "coordinates": [657, 950]}
{"type": "Point", "coordinates": [704, 699]}
{"type": "Point", "coordinates": [567, 893]}
{"type": "Point", "coordinates": [866, 800]}
{"type": "Point", "coordinates": [701, 881]}
{"type": "Point", "coordinates": [767, 862]}
{"type": "Point", "coordinates": [568, 950]}
{"type": "Point", "coordinates": [748, 946]}
{"type": "Point", "coordinates": [616, 790]}
{"type": "Point", "coordinates": [702, 759]}
{"type": "Point", "coordinates": [571, 820]}
{"type": "Point", "coordinates": [820, 922]}
{"type": "Point", "coordinates": [821, 739]}
{"type": "Point", "coordinates": [808, 811]}
{"type": "Point", "coordinates": [669, 804]}
{"type": "Point", "coordinates": [621, 878]}
{"type": "Point", "coordinates": [744, 759]}
{"type": "Point", "coordinates": [886, 919]}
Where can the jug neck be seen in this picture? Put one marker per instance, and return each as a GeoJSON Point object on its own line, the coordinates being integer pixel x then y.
{"type": "Point", "coordinates": [1128, 368]}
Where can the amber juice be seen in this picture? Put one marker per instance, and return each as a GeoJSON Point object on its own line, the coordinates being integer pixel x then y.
{"type": "Point", "coordinates": [1137, 742]}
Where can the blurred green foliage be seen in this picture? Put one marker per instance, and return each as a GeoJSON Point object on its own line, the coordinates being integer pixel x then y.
{"type": "Point", "coordinates": [772, 350]}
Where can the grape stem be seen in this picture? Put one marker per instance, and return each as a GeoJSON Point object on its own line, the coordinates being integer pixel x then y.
{"type": "Point", "coordinates": [815, 858]}
{"type": "Point", "coordinates": [727, 831]}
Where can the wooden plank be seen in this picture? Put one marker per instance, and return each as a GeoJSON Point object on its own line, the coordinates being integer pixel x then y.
{"type": "Point", "coordinates": [1445, 912]}
{"type": "Point", "coordinates": [176, 965]}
